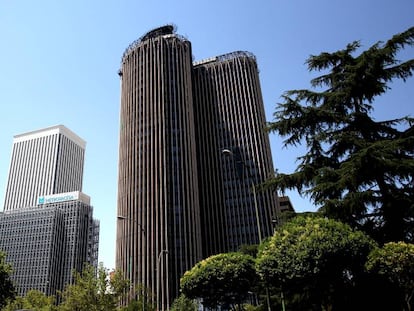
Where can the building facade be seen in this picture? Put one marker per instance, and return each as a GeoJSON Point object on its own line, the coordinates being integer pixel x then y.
{"type": "Point", "coordinates": [158, 231]}
{"type": "Point", "coordinates": [47, 228]}
{"type": "Point", "coordinates": [43, 162]}
{"type": "Point", "coordinates": [192, 151]}
{"type": "Point", "coordinates": [33, 242]}
{"type": "Point", "coordinates": [233, 153]}
{"type": "Point", "coordinates": [46, 243]}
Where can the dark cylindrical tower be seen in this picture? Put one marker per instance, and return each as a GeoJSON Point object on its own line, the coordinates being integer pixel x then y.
{"type": "Point", "coordinates": [158, 226]}
{"type": "Point", "coordinates": [234, 153]}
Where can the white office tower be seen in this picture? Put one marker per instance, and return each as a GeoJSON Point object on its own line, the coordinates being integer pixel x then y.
{"type": "Point", "coordinates": [44, 162]}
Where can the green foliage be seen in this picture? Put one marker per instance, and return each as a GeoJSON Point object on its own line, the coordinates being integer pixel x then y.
{"type": "Point", "coordinates": [7, 291]}
{"type": "Point", "coordinates": [395, 261]}
{"type": "Point", "coordinates": [314, 258]}
{"type": "Point", "coordinates": [356, 169]}
{"type": "Point", "coordinates": [34, 300]}
{"type": "Point", "coordinates": [144, 300]}
{"type": "Point", "coordinates": [249, 307]}
{"type": "Point", "coordinates": [249, 249]}
{"type": "Point", "coordinates": [39, 301]}
{"type": "Point", "coordinates": [220, 280]}
{"type": "Point", "coordinates": [134, 305]}
{"type": "Point", "coordinates": [14, 304]}
{"type": "Point", "coordinates": [139, 305]}
{"type": "Point", "coordinates": [182, 303]}
{"type": "Point", "coordinates": [93, 291]}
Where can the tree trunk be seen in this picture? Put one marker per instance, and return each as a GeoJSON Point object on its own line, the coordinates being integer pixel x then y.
{"type": "Point", "coordinates": [408, 300]}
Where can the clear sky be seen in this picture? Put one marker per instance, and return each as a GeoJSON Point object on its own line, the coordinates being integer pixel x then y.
{"type": "Point", "coordinates": [59, 62]}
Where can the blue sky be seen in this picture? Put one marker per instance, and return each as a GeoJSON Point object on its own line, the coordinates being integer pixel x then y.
{"type": "Point", "coordinates": [59, 63]}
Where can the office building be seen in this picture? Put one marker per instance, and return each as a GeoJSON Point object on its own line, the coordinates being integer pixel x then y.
{"type": "Point", "coordinates": [158, 233]}
{"type": "Point", "coordinates": [46, 161]}
{"type": "Point", "coordinates": [192, 151]}
{"type": "Point", "coordinates": [233, 153]}
{"type": "Point", "coordinates": [33, 242]}
{"type": "Point", "coordinates": [285, 205]}
{"type": "Point", "coordinates": [46, 243]}
{"type": "Point", "coordinates": [47, 228]}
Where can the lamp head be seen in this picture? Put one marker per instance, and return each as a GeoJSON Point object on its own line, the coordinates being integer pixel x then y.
{"type": "Point", "coordinates": [227, 152]}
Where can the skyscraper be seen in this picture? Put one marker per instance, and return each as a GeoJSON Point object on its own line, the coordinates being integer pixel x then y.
{"type": "Point", "coordinates": [233, 153]}
{"type": "Point", "coordinates": [43, 162]}
{"type": "Point", "coordinates": [47, 228]}
{"type": "Point", "coordinates": [158, 232]}
{"type": "Point", "coordinates": [192, 151]}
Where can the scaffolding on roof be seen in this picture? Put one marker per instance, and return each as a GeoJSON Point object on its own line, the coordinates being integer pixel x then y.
{"type": "Point", "coordinates": [163, 31]}
{"type": "Point", "coordinates": [224, 57]}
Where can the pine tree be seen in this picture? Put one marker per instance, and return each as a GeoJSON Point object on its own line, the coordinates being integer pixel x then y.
{"type": "Point", "coordinates": [356, 169]}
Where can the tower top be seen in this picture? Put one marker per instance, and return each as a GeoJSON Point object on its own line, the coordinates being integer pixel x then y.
{"type": "Point", "coordinates": [160, 31]}
{"type": "Point", "coordinates": [163, 31]}
{"type": "Point", "coordinates": [50, 131]}
{"type": "Point", "coordinates": [224, 57]}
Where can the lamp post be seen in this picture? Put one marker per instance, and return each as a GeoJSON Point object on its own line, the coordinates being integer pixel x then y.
{"type": "Point", "coordinates": [239, 160]}
{"type": "Point", "coordinates": [164, 251]}
{"type": "Point", "coordinates": [126, 218]}
{"type": "Point", "coordinates": [131, 258]}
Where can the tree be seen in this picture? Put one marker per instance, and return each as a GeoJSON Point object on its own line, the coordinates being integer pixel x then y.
{"type": "Point", "coordinates": [316, 259]}
{"type": "Point", "coordinates": [356, 169]}
{"type": "Point", "coordinates": [37, 300]}
{"type": "Point", "coordinates": [16, 304]}
{"type": "Point", "coordinates": [183, 303]}
{"type": "Point", "coordinates": [395, 261]}
{"type": "Point", "coordinates": [93, 291]}
{"type": "Point", "coordinates": [249, 249]}
{"type": "Point", "coordinates": [220, 280]}
{"type": "Point", "coordinates": [143, 301]}
{"type": "Point", "coordinates": [7, 291]}
{"type": "Point", "coordinates": [140, 304]}
{"type": "Point", "coordinates": [34, 300]}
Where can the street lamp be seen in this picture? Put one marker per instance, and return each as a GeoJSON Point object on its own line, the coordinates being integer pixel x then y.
{"type": "Point", "coordinates": [119, 217]}
{"type": "Point", "coordinates": [164, 251]}
{"type": "Point", "coordinates": [237, 157]}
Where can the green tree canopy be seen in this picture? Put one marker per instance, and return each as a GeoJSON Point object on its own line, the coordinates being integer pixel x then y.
{"type": "Point", "coordinates": [34, 300]}
{"type": "Point", "coordinates": [220, 280]}
{"type": "Point", "coordinates": [316, 257]}
{"type": "Point", "coordinates": [395, 261]}
{"type": "Point", "coordinates": [143, 301]}
{"type": "Point", "coordinates": [94, 291]}
{"type": "Point", "coordinates": [7, 291]}
{"type": "Point", "coordinates": [183, 303]}
{"type": "Point", "coordinates": [356, 169]}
